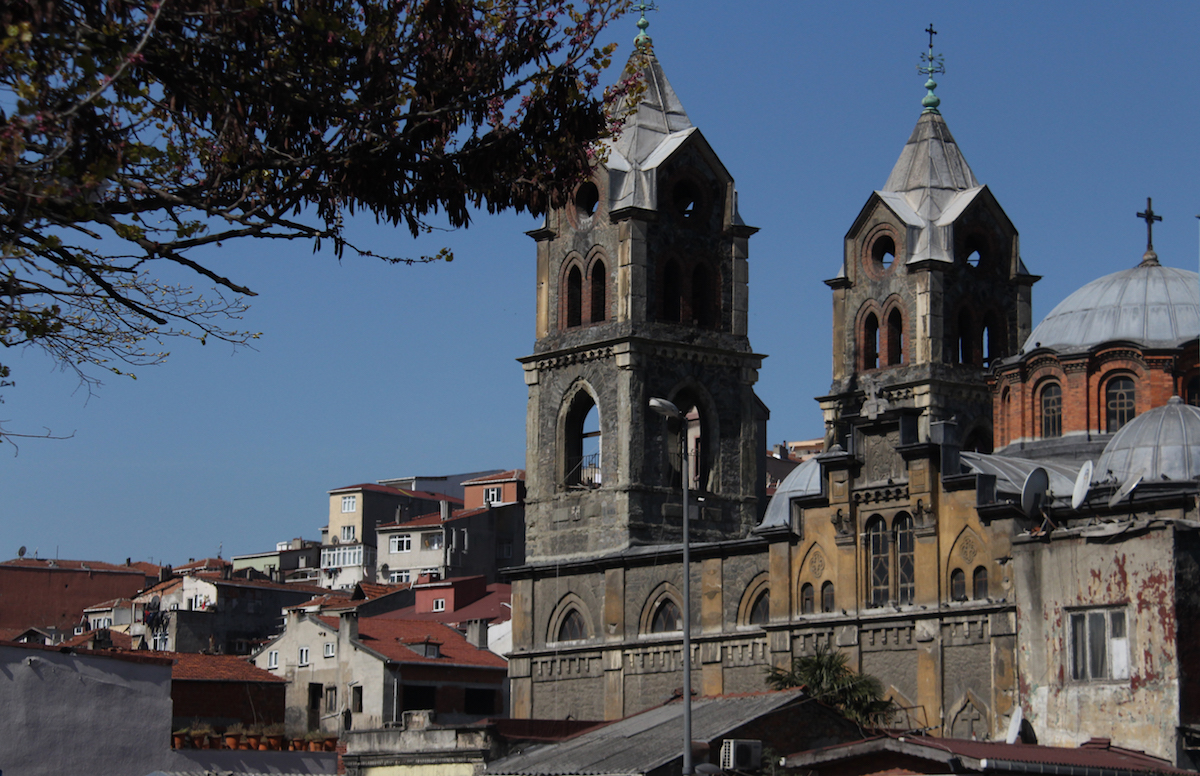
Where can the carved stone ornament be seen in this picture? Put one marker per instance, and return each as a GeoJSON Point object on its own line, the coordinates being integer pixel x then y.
{"type": "Point", "coordinates": [923, 516]}
{"type": "Point", "coordinates": [817, 564]}
{"type": "Point", "coordinates": [841, 522]}
{"type": "Point", "coordinates": [968, 549]}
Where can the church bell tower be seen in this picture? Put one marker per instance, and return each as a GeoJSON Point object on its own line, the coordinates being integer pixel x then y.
{"type": "Point", "coordinates": [641, 293]}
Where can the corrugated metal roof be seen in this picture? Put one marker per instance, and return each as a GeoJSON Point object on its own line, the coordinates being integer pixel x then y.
{"type": "Point", "coordinates": [645, 741]}
{"type": "Point", "coordinates": [1162, 443]}
{"type": "Point", "coordinates": [1011, 473]}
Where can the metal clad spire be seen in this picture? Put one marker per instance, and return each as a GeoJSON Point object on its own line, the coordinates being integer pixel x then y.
{"type": "Point", "coordinates": [643, 41]}
{"type": "Point", "coordinates": [931, 64]}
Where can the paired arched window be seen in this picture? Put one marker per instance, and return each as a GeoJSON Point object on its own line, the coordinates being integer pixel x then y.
{"type": "Point", "coordinates": [579, 307]}
{"type": "Point", "coordinates": [1120, 401]}
{"type": "Point", "coordinates": [891, 569]}
{"type": "Point", "coordinates": [895, 338]}
{"type": "Point", "coordinates": [870, 343]}
{"type": "Point", "coordinates": [979, 584]}
{"type": "Point", "coordinates": [1050, 399]}
{"type": "Point", "coordinates": [958, 585]}
{"type": "Point", "coordinates": [827, 597]}
{"type": "Point", "coordinates": [667, 618]}
{"type": "Point", "coordinates": [690, 295]}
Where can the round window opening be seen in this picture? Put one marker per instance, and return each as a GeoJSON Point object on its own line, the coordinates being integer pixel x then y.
{"type": "Point", "coordinates": [686, 199]}
{"type": "Point", "coordinates": [587, 197]}
{"type": "Point", "coordinates": [883, 251]}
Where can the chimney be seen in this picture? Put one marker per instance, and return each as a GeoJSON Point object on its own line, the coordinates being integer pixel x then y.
{"type": "Point", "coordinates": [348, 626]}
{"type": "Point", "coordinates": [445, 508]}
{"type": "Point", "coordinates": [477, 633]}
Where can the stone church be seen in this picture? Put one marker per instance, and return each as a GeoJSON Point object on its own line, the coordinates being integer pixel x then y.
{"type": "Point", "coordinates": [905, 544]}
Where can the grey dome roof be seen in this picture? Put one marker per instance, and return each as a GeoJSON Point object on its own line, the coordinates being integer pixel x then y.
{"type": "Point", "coordinates": [1152, 305]}
{"type": "Point", "coordinates": [1162, 441]}
{"type": "Point", "coordinates": [804, 480]}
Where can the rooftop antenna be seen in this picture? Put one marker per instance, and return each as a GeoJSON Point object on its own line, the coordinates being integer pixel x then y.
{"type": "Point", "coordinates": [931, 65]}
{"type": "Point", "coordinates": [1083, 485]}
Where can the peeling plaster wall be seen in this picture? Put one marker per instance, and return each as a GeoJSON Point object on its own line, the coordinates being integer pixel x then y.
{"type": "Point", "coordinates": [1133, 573]}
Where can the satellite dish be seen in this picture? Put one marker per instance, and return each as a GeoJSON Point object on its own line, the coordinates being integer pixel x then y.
{"type": "Point", "coordinates": [1033, 492]}
{"type": "Point", "coordinates": [1126, 489]}
{"type": "Point", "coordinates": [21, 552]}
{"type": "Point", "coordinates": [1083, 484]}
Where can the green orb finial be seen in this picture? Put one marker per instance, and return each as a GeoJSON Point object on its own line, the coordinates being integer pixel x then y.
{"type": "Point", "coordinates": [643, 41]}
{"type": "Point", "coordinates": [931, 64]}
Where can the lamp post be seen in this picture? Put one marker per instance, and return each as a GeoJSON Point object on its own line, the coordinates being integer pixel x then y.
{"type": "Point", "coordinates": [669, 410]}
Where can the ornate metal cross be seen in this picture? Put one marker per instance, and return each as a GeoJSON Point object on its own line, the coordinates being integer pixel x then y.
{"type": "Point", "coordinates": [1150, 217]}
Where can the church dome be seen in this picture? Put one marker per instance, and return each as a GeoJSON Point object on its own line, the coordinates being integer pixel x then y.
{"type": "Point", "coordinates": [1151, 305]}
{"type": "Point", "coordinates": [1162, 442]}
{"type": "Point", "coordinates": [804, 480]}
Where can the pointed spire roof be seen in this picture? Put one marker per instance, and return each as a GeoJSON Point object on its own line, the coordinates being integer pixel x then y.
{"type": "Point", "coordinates": [659, 113]}
{"type": "Point", "coordinates": [931, 169]}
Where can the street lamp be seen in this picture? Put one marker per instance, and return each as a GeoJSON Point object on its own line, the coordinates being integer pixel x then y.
{"type": "Point", "coordinates": [669, 410]}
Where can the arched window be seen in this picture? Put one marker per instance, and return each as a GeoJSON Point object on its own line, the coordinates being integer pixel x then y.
{"type": "Point", "coordinates": [870, 344]}
{"type": "Point", "coordinates": [1003, 422]}
{"type": "Point", "coordinates": [760, 612]}
{"type": "Point", "coordinates": [703, 298]}
{"type": "Point", "coordinates": [574, 297]}
{"type": "Point", "coordinates": [666, 618]}
{"type": "Point", "coordinates": [827, 597]}
{"type": "Point", "coordinates": [581, 448]}
{"type": "Point", "coordinates": [699, 443]}
{"type": "Point", "coordinates": [883, 251]}
{"type": "Point", "coordinates": [599, 292]}
{"type": "Point", "coordinates": [979, 588]}
{"type": "Point", "coordinates": [958, 585]}
{"type": "Point", "coordinates": [672, 293]}
{"type": "Point", "coordinates": [895, 338]}
{"type": "Point", "coordinates": [572, 627]}
{"type": "Point", "coordinates": [807, 604]}
{"type": "Point", "coordinates": [964, 352]}
{"type": "Point", "coordinates": [994, 340]}
{"type": "Point", "coordinates": [879, 562]}
{"type": "Point", "coordinates": [905, 570]}
{"type": "Point", "coordinates": [1051, 400]}
{"type": "Point", "coordinates": [1120, 400]}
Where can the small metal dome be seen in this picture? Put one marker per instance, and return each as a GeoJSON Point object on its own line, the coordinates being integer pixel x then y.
{"type": "Point", "coordinates": [804, 480]}
{"type": "Point", "coordinates": [1152, 305]}
{"type": "Point", "coordinates": [1162, 441]}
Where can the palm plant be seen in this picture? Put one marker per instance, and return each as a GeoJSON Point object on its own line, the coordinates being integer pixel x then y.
{"type": "Point", "coordinates": [827, 676]}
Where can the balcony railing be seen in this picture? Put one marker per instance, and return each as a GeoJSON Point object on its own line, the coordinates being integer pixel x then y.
{"type": "Point", "coordinates": [583, 472]}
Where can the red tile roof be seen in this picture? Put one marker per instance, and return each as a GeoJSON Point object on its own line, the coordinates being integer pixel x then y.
{"type": "Point", "coordinates": [389, 636]}
{"type": "Point", "coordinates": [467, 513]}
{"type": "Point", "coordinates": [372, 590]}
{"type": "Point", "coordinates": [77, 565]}
{"type": "Point", "coordinates": [112, 603]}
{"type": "Point", "coordinates": [421, 521]}
{"type": "Point", "coordinates": [492, 606]}
{"type": "Point", "coordinates": [508, 476]}
{"type": "Point", "coordinates": [85, 640]}
{"type": "Point", "coordinates": [204, 563]}
{"type": "Point", "coordinates": [193, 667]}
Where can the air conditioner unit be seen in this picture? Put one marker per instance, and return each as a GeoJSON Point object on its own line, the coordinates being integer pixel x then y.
{"type": "Point", "coordinates": [741, 754]}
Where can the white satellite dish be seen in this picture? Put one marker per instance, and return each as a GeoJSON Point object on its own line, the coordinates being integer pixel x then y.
{"type": "Point", "coordinates": [1033, 492]}
{"type": "Point", "coordinates": [1083, 484]}
{"type": "Point", "coordinates": [1126, 489]}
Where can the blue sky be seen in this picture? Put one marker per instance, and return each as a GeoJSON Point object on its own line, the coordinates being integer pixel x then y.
{"type": "Point", "coordinates": [1071, 113]}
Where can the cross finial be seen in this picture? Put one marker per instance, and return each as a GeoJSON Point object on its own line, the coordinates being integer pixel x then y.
{"type": "Point", "coordinates": [1149, 216]}
{"type": "Point", "coordinates": [642, 41]}
{"type": "Point", "coordinates": [931, 64]}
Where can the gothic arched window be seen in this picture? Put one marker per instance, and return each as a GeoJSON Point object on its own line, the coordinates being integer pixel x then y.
{"type": "Point", "coordinates": [958, 585]}
{"type": "Point", "coordinates": [1120, 400]}
{"type": "Point", "coordinates": [979, 587]}
{"type": "Point", "coordinates": [905, 569]}
{"type": "Point", "coordinates": [703, 297]}
{"type": "Point", "coordinates": [807, 603]}
{"type": "Point", "coordinates": [827, 597]}
{"type": "Point", "coordinates": [672, 293]}
{"type": "Point", "coordinates": [964, 352]}
{"type": "Point", "coordinates": [895, 338]}
{"type": "Point", "coordinates": [760, 612]}
{"type": "Point", "coordinates": [581, 443]}
{"type": "Point", "coordinates": [574, 297]}
{"type": "Point", "coordinates": [599, 298]}
{"type": "Point", "coordinates": [879, 565]}
{"type": "Point", "coordinates": [667, 618]}
{"type": "Point", "coordinates": [1051, 406]}
{"type": "Point", "coordinates": [870, 344]}
{"type": "Point", "coordinates": [573, 627]}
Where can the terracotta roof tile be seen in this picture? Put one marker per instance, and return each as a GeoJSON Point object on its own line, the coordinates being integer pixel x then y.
{"type": "Point", "coordinates": [511, 474]}
{"type": "Point", "coordinates": [419, 494]}
{"type": "Point", "coordinates": [421, 521]}
{"type": "Point", "coordinates": [76, 565]}
{"type": "Point", "coordinates": [389, 637]}
{"type": "Point", "coordinates": [194, 667]}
